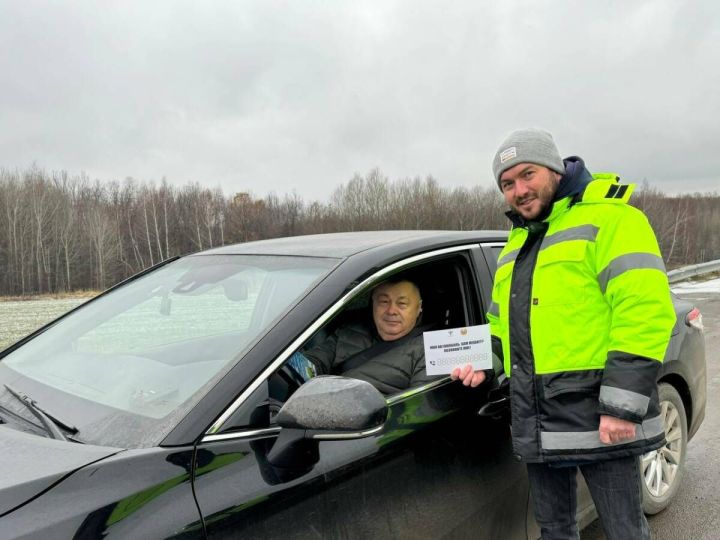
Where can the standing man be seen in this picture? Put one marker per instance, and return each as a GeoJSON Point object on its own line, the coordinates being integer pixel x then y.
{"type": "Point", "coordinates": [582, 307]}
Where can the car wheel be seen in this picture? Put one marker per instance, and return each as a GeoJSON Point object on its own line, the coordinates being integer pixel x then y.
{"type": "Point", "coordinates": [662, 469]}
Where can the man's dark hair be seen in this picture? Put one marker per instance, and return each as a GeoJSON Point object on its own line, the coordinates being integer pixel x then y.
{"type": "Point", "coordinates": [394, 280]}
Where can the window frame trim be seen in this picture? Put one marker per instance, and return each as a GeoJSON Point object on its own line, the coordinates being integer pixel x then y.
{"type": "Point", "coordinates": [213, 432]}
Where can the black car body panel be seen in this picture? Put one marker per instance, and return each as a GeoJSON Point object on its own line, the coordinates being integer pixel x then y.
{"type": "Point", "coordinates": [684, 366]}
{"type": "Point", "coordinates": [426, 475]}
{"type": "Point", "coordinates": [134, 494]}
{"type": "Point", "coordinates": [52, 460]}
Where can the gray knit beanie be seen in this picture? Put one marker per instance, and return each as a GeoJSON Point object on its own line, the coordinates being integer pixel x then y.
{"type": "Point", "coordinates": [527, 146]}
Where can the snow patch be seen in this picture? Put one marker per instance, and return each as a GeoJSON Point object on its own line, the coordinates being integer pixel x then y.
{"type": "Point", "coordinates": [690, 287]}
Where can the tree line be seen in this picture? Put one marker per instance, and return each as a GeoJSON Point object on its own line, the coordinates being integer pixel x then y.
{"type": "Point", "coordinates": [67, 232]}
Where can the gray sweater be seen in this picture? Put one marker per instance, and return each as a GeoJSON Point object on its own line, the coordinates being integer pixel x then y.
{"type": "Point", "coordinates": [393, 370]}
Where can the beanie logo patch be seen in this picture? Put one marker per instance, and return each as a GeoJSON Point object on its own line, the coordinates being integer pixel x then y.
{"type": "Point", "coordinates": [508, 154]}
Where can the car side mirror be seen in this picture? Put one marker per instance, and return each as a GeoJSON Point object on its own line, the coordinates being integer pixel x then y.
{"type": "Point", "coordinates": [325, 408]}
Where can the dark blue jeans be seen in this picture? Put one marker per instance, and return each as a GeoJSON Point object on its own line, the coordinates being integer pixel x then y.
{"type": "Point", "coordinates": [614, 486]}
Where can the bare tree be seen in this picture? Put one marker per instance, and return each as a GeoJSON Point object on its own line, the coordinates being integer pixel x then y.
{"type": "Point", "coordinates": [62, 232]}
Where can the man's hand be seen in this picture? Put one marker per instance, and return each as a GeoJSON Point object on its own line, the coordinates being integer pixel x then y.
{"type": "Point", "coordinates": [615, 430]}
{"type": "Point", "coordinates": [468, 376]}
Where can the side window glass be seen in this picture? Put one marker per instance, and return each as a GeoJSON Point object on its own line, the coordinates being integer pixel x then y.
{"type": "Point", "coordinates": [359, 342]}
{"type": "Point", "coordinates": [318, 354]}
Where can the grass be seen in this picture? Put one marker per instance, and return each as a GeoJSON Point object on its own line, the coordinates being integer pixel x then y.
{"type": "Point", "coordinates": [85, 294]}
{"type": "Point", "coordinates": [20, 317]}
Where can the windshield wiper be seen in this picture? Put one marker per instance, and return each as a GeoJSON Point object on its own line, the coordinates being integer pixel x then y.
{"type": "Point", "coordinates": [50, 423]}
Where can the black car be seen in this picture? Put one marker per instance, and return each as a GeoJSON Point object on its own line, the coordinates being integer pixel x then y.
{"type": "Point", "coordinates": [167, 406]}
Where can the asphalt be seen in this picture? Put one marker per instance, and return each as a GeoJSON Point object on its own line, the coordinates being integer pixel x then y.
{"type": "Point", "coordinates": [695, 511]}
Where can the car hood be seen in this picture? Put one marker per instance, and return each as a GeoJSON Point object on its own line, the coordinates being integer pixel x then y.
{"type": "Point", "coordinates": [31, 464]}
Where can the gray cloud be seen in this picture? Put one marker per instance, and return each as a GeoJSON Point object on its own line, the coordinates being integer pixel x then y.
{"type": "Point", "coordinates": [266, 96]}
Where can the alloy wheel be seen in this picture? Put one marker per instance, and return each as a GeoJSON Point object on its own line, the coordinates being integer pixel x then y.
{"type": "Point", "coordinates": [660, 466]}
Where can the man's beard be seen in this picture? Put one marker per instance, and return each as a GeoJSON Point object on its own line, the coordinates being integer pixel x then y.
{"type": "Point", "coordinates": [548, 199]}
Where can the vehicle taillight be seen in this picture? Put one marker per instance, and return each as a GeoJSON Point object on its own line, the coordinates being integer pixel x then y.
{"type": "Point", "coordinates": [694, 319]}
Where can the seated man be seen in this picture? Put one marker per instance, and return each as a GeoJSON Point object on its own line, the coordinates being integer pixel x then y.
{"type": "Point", "coordinates": [391, 356]}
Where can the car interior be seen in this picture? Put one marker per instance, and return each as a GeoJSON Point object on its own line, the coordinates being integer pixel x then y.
{"type": "Point", "coordinates": [449, 301]}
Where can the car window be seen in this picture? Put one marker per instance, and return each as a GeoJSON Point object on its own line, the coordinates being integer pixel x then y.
{"type": "Point", "coordinates": [150, 346]}
{"type": "Point", "coordinates": [172, 315]}
{"type": "Point", "coordinates": [349, 344]}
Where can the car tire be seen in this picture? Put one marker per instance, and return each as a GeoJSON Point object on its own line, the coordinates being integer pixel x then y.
{"type": "Point", "coordinates": [662, 470]}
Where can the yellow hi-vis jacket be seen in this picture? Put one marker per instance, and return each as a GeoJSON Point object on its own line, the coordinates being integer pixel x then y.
{"type": "Point", "coordinates": [600, 320]}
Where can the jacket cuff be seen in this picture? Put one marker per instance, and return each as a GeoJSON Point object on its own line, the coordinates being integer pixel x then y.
{"type": "Point", "coordinates": [623, 403]}
{"type": "Point", "coordinates": [628, 384]}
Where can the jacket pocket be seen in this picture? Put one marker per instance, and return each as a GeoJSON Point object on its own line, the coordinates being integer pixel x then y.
{"type": "Point", "coordinates": [571, 382]}
{"type": "Point", "coordinates": [563, 276]}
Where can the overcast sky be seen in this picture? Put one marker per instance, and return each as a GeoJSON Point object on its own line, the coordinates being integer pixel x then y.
{"type": "Point", "coordinates": [280, 96]}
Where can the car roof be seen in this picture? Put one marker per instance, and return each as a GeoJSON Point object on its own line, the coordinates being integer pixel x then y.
{"type": "Point", "coordinates": [342, 245]}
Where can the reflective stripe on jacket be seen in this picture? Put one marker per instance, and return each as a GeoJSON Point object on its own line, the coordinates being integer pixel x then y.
{"type": "Point", "coordinates": [587, 328]}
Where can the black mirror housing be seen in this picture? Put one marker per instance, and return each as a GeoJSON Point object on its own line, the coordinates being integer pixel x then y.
{"type": "Point", "coordinates": [334, 404]}
{"type": "Point", "coordinates": [324, 408]}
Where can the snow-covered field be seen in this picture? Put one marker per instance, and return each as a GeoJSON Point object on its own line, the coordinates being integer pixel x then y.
{"type": "Point", "coordinates": [19, 318]}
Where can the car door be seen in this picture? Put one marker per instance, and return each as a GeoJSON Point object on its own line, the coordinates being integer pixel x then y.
{"type": "Point", "coordinates": [437, 468]}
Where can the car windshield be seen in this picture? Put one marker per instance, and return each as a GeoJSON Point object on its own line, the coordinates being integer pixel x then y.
{"type": "Point", "coordinates": [143, 354]}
